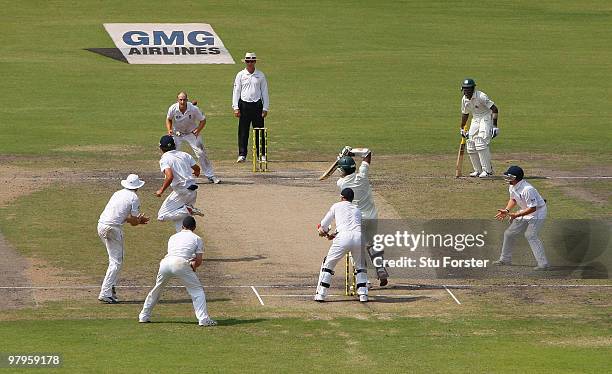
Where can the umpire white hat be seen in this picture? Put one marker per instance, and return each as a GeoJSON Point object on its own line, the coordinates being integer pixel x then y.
{"type": "Point", "coordinates": [132, 182]}
{"type": "Point", "coordinates": [249, 56]}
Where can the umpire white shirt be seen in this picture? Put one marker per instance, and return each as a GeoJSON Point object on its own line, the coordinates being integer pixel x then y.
{"type": "Point", "coordinates": [180, 163]}
{"type": "Point", "coordinates": [123, 203]}
{"type": "Point", "coordinates": [185, 122]}
{"type": "Point", "coordinates": [250, 88]}
{"type": "Point", "coordinates": [347, 215]}
{"type": "Point", "coordinates": [185, 244]}
{"type": "Point", "coordinates": [360, 184]}
{"type": "Point", "coordinates": [526, 196]}
{"type": "Point", "coordinates": [479, 105]}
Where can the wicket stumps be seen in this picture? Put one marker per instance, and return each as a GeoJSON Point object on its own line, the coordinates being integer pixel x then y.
{"type": "Point", "coordinates": [260, 149]}
{"type": "Point", "coordinates": [349, 280]}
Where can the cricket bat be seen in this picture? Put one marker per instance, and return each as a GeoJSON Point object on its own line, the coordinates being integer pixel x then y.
{"type": "Point", "coordinates": [329, 171]}
{"type": "Point", "coordinates": [459, 164]}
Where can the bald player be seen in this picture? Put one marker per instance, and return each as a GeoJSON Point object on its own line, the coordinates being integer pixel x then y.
{"type": "Point", "coordinates": [348, 238]}
{"type": "Point", "coordinates": [359, 182]}
{"type": "Point", "coordinates": [185, 122]}
{"type": "Point", "coordinates": [482, 129]}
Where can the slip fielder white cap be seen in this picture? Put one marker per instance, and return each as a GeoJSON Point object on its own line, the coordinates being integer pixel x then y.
{"type": "Point", "coordinates": [132, 182]}
{"type": "Point", "coordinates": [249, 56]}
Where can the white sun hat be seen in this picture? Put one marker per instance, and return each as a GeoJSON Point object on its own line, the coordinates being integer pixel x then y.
{"type": "Point", "coordinates": [249, 56]}
{"type": "Point", "coordinates": [132, 182]}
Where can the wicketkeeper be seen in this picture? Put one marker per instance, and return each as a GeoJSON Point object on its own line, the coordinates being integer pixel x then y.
{"type": "Point", "coordinates": [347, 238]}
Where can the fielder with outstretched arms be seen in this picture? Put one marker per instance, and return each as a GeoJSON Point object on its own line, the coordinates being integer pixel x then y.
{"type": "Point", "coordinates": [483, 127]}
{"type": "Point", "coordinates": [364, 198]}
{"type": "Point", "coordinates": [347, 238]}
{"type": "Point", "coordinates": [528, 220]}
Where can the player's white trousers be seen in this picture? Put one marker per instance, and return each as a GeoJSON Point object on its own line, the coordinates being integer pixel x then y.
{"type": "Point", "coordinates": [342, 243]}
{"type": "Point", "coordinates": [477, 144]}
{"type": "Point", "coordinates": [176, 267]}
{"type": "Point", "coordinates": [197, 145]}
{"type": "Point", "coordinates": [112, 237]}
{"type": "Point", "coordinates": [530, 228]}
{"type": "Point", "coordinates": [174, 208]}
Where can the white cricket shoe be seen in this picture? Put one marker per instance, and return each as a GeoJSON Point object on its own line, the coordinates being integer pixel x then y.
{"type": "Point", "coordinates": [319, 298]}
{"type": "Point", "coordinates": [542, 268]}
{"type": "Point", "coordinates": [143, 320]}
{"type": "Point", "coordinates": [484, 174]}
{"type": "Point", "coordinates": [208, 322]}
{"type": "Point", "coordinates": [214, 180]}
{"type": "Point", "coordinates": [474, 174]}
{"type": "Point", "coordinates": [241, 159]}
{"type": "Point", "coordinates": [363, 298]}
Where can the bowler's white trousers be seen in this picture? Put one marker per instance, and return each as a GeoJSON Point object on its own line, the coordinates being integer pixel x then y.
{"type": "Point", "coordinates": [170, 267]}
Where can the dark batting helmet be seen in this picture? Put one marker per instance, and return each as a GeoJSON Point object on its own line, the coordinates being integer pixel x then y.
{"type": "Point", "coordinates": [514, 173]}
{"type": "Point", "coordinates": [166, 143]}
{"type": "Point", "coordinates": [347, 165]}
{"type": "Point", "coordinates": [468, 83]}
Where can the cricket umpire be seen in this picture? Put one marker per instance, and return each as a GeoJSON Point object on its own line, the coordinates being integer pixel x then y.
{"type": "Point", "coordinates": [250, 102]}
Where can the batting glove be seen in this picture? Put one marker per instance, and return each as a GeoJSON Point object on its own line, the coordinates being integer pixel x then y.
{"type": "Point", "coordinates": [494, 132]}
{"type": "Point", "coordinates": [464, 133]}
{"type": "Point", "coordinates": [345, 151]}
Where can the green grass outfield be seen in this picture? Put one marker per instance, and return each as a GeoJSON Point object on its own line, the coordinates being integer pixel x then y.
{"type": "Point", "coordinates": [290, 345]}
{"type": "Point", "coordinates": [384, 74]}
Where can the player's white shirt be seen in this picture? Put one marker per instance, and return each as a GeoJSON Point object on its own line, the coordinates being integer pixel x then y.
{"type": "Point", "coordinates": [180, 163]}
{"type": "Point", "coordinates": [185, 244]}
{"type": "Point", "coordinates": [479, 105]}
{"type": "Point", "coordinates": [123, 203]}
{"type": "Point", "coordinates": [250, 88]}
{"type": "Point", "coordinates": [526, 196]}
{"type": "Point", "coordinates": [185, 122]}
{"type": "Point", "coordinates": [360, 184]}
{"type": "Point", "coordinates": [347, 216]}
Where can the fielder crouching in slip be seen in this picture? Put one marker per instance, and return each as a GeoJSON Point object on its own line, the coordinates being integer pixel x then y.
{"type": "Point", "coordinates": [184, 256]}
{"type": "Point", "coordinates": [348, 238]}
{"type": "Point", "coordinates": [528, 220]}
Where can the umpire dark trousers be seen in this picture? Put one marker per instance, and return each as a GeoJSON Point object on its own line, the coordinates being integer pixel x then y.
{"type": "Point", "coordinates": [250, 113]}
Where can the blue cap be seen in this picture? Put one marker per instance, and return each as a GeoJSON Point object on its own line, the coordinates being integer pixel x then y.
{"type": "Point", "coordinates": [516, 172]}
{"type": "Point", "coordinates": [167, 143]}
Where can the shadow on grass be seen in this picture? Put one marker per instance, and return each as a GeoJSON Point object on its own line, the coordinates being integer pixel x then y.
{"type": "Point", "coordinates": [382, 299]}
{"type": "Point", "coordinates": [220, 322]}
{"type": "Point", "coordinates": [239, 259]}
{"type": "Point", "coordinates": [176, 301]}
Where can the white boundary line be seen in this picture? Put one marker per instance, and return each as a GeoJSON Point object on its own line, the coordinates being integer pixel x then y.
{"type": "Point", "coordinates": [450, 293]}
{"type": "Point", "coordinates": [257, 294]}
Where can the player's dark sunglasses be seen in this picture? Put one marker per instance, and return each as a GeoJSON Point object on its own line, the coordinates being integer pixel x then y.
{"type": "Point", "coordinates": [249, 61]}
